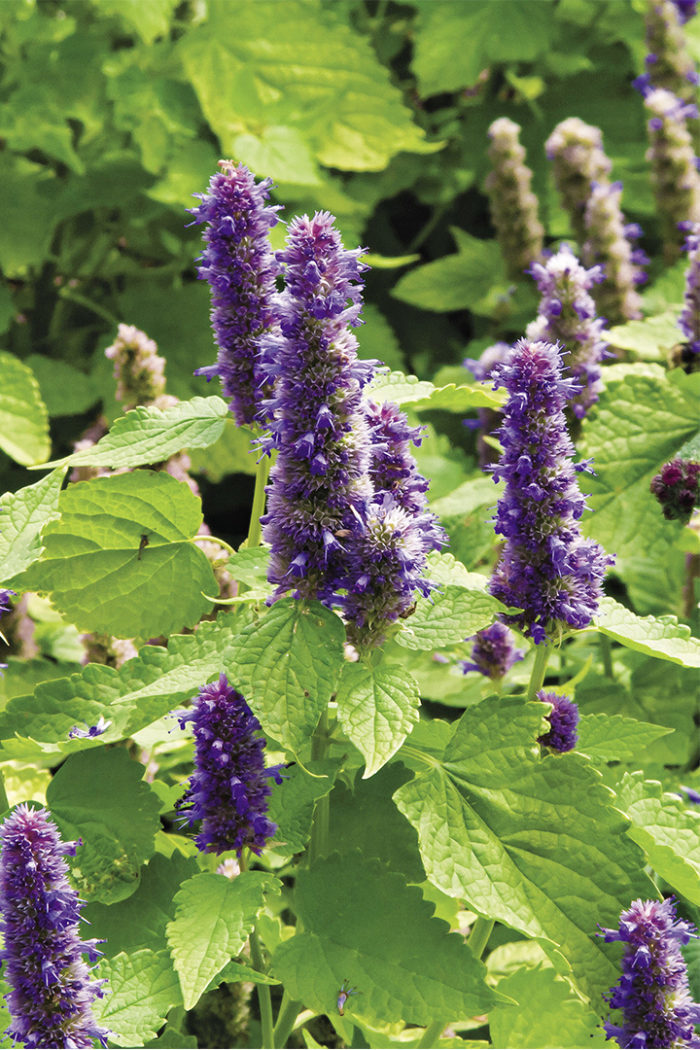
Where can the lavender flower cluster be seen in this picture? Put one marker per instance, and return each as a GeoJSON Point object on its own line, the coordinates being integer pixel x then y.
{"type": "Point", "coordinates": [567, 316]}
{"type": "Point", "coordinates": [652, 993]}
{"type": "Point", "coordinates": [138, 368]}
{"type": "Point", "coordinates": [669, 64]}
{"type": "Point", "coordinates": [514, 207]}
{"type": "Point", "coordinates": [52, 992]}
{"type": "Point", "coordinates": [493, 652]}
{"type": "Point", "coordinates": [229, 788]}
{"type": "Point", "coordinates": [547, 568]}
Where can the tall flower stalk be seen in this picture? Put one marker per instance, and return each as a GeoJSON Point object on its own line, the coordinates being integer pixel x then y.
{"type": "Point", "coordinates": [514, 207]}
{"type": "Point", "coordinates": [668, 62]}
{"type": "Point", "coordinates": [547, 569]}
{"type": "Point", "coordinates": [52, 992]}
{"type": "Point", "coordinates": [675, 178]}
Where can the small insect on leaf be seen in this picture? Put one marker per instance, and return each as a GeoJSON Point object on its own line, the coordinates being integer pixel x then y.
{"type": "Point", "coordinates": [344, 994]}
{"type": "Point", "coordinates": [142, 544]}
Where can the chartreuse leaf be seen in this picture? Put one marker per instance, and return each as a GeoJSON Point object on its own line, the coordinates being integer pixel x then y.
{"type": "Point", "coordinates": [364, 925]}
{"type": "Point", "coordinates": [667, 829]}
{"type": "Point", "coordinates": [150, 20]}
{"type": "Point", "coordinates": [101, 798]}
{"type": "Point", "coordinates": [458, 608]}
{"type": "Point", "coordinates": [353, 117]}
{"type": "Point", "coordinates": [142, 690]}
{"type": "Point", "coordinates": [141, 919]}
{"type": "Point", "coordinates": [651, 338]}
{"type": "Point", "coordinates": [142, 988]}
{"type": "Point", "coordinates": [503, 32]}
{"type": "Point", "coordinates": [643, 416]}
{"type": "Point", "coordinates": [544, 1013]}
{"type": "Point", "coordinates": [24, 421]}
{"type": "Point", "coordinates": [171, 1039]}
{"type": "Point", "coordinates": [530, 839]}
{"type": "Point", "coordinates": [103, 576]}
{"type": "Point", "coordinates": [24, 514]}
{"type": "Point", "coordinates": [377, 709]}
{"type": "Point", "coordinates": [291, 803]}
{"type": "Point", "coordinates": [213, 917]}
{"type": "Point", "coordinates": [471, 279]}
{"type": "Point", "coordinates": [663, 636]}
{"type": "Point", "coordinates": [614, 738]}
{"type": "Point", "coordinates": [287, 665]}
{"type": "Point", "coordinates": [421, 394]}
{"type": "Point", "coordinates": [152, 435]}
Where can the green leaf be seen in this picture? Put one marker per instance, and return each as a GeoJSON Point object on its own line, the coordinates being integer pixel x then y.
{"type": "Point", "coordinates": [352, 116]}
{"type": "Point", "coordinates": [65, 390]}
{"type": "Point", "coordinates": [213, 917]}
{"type": "Point", "coordinates": [377, 709]}
{"type": "Point", "coordinates": [152, 435]}
{"type": "Point", "coordinates": [667, 829]}
{"type": "Point", "coordinates": [171, 1039]}
{"type": "Point", "coordinates": [291, 804]}
{"type": "Point", "coordinates": [459, 609]}
{"type": "Point", "coordinates": [140, 920]}
{"type": "Point", "coordinates": [249, 565]}
{"type": "Point", "coordinates": [650, 339]}
{"type": "Point", "coordinates": [149, 20]}
{"type": "Point", "coordinates": [363, 924]}
{"type": "Point", "coordinates": [641, 419]}
{"type": "Point", "coordinates": [100, 797]}
{"type": "Point", "coordinates": [472, 279]}
{"type": "Point", "coordinates": [532, 840]}
{"type": "Point", "coordinates": [468, 497]}
{"type": "Point", "coordinates": [614, 738]}
{"type": "Point", "coordinates": [100, 574]}
{"type": "Point", "coordinates": [24, 514]}
{"type": "Point", "coordinates": [662, 637]}
{"type": "Point", "coordinates": [491, 33]}
{"type": "Point", "coordinates": [24, 421]}
{"type": "Point", "coordinates": [231, 454]}
{"type": "Point", "coordinates": [287, 666]}
{"type": "Point", "coordinates": [142, 988]}
{"type": "Point", "coordinates": [566, 1021]}
{"type": "Point", "coordinates": [141, 691]}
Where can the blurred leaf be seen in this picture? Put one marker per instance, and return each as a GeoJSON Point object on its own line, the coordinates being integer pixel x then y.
{"type": "Point", "coordinates": [650, 339]}
{"type": "Point", "coordinates": [65, 390]}
{"type": "Point", "coordinates": [292, 802]}
{"type": "Point", "coordinates": [149, 20]}
{"type": "Point", "coordinates": [472, 279]}
{"type": "Point", "coordinates": [24, 423]}
{"type": "Point", "coordinates": [24, 514]}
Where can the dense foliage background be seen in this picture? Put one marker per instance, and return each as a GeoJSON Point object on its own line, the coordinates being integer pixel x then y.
{"type": "Point", "coordinates": [114, 112]}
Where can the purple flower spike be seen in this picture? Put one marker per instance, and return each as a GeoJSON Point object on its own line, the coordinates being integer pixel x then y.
{"type": "Point", "coordinates": [240, 267]}
{"type": "Point", "coordinates": [652, 993]}
{"type": "Point", "coordinates": [672, 67]}
{"type": "Point", "coordinates": [514, 207]}
{"type": "Point", "coordinates": [563, 719]}
{"type": "Point", "coordinates": [52, 993]}
{"type": "Point", "coordinates": [320, 482]}
{"type": "Point", "coordinates": [609, 243]}
{"type": "Point", "coordinates": [546, 569]}
{"type": "Point", "coordinates": [677, 488]}
{"type": "Point", "coordinates": [493, 652]}
{"type": "Point", "coordinates": [568, 317]}
{"type": "Point", "coordinates": [686, 9]}
{"type": "Point", "coordinates": [674, 176]}
{"type": "Point", "coordinates": [229, 788]}
{"type": "Point", "coordinates": [578, 159]}
{"type": "Point", "coordinates": [689, 321]}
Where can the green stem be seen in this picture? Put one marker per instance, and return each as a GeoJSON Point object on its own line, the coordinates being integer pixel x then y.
{"type": "Point", "coordinates": [606, 653]}
{"type": "Point", "coordinates": [264, 997]}
{"type": "Point", "coordinates": [431, 1034]}
{"type": "Point", "coordinates": [286, 1018]}
{"type": "Point", "coordinates": [255, 528]}
{"type": "Point", "coordinates": [538, 670]}
{"type": "Point", "coordinates": [215, 539]}
{"type": "Point", "coordinates": [321, 825]}
{"type": "Point", "coordinates": [479, 937]}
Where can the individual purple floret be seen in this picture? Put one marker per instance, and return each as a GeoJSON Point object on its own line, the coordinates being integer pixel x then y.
{"type": "Point", "coordinates": [240, 267]}
{"type": "Point", "coordinates": [563, 720]}
{"type": "Point", "coordinates": [677, 488]}
{"type": "Point", "coordinates": [493, 652]}
{"type": "Point", "coordinates": [90, 732]}
{"type": "Point", "coordinates": [546, 568]}
{"type": "Point", "coordinates": [652, 992]}
{"type": "Point", "coordinates": [138, 368]}
{"type": "Point", "coordinates": [689, 321]}
{"type": "Point", "coordinates": [567, 316]}
{"type": "Point", "coordinates": [691, 794]}
{"type": "Point", "coordinates": [609, 243]}
{"type": "Point", "coordinates": [229, 788]}
{"type": "Point", "coordinates": [675, 178]}
{"type": "Point", "coordinates": [51, 995]}
{"type": "Point", "coordinates": [669, 64]}
{"type": "Point", "coordinates": [514, 207]}
{"type": "Point", "coordinates": [320, 482]}
{"type": "Point", "coordinates": [578, 159]}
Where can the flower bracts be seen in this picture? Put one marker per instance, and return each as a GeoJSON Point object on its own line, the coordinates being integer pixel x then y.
{"type": "Point", "coordinates": [652, 993]}
{"type": "Point", "coordinates": [229, 788]}
{"type": "Point", "coordinates": [240, 267]}
{"type": "Point", "coordinates": [52, 992]}
{"type": "Point", "coordinates": [677, 488]}
{"type": "Point", "coordinates": [547, 568]}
